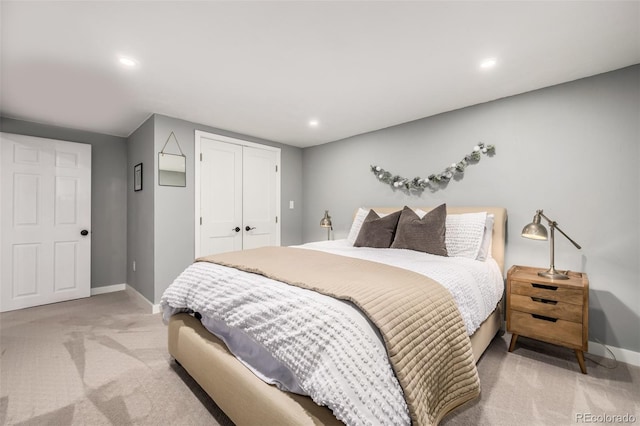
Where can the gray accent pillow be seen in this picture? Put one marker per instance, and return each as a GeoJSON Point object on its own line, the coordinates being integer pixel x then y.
{"type": "Point", "coordinates": [376, 231]}
{"type": "Point", "coordinates": [426, 234]}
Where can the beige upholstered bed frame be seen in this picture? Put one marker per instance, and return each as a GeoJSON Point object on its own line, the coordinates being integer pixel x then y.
{"type": "Point", "coordinates": [246, 399]}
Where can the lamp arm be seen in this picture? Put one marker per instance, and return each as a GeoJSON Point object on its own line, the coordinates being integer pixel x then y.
{"type": "Point", "coordinates": [555, 225]}
{"type": "Point", "coordinates": [568, 237]}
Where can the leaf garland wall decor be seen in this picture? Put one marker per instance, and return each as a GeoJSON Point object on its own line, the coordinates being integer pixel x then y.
{"type": "Point", "coordinates": [433, 181]}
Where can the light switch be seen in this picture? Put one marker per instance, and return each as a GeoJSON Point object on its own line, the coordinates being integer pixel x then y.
{"type": "Point", "coordinates": [291, 204]}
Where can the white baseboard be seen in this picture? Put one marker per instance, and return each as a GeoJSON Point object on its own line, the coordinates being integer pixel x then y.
{"type": "Point", "coordinates": [622, 355]}
{"type": "Point", "coordinates": [143, 301]}
{"type": "Point", "coordinates": [107, 289]}
{"type": "Point", "coordinates": [137, 296]}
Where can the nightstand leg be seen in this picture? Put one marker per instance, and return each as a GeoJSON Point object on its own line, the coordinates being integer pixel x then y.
{"type": "Point", "coordinates": [580, 357]}
{"type": "Point", "coordinates": [514, 338]}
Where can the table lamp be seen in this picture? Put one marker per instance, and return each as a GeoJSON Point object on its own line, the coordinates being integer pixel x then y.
{"type": "Point", "coordinates": [536, 231]}
{"type": "Point", "coordinates": [326, 223]}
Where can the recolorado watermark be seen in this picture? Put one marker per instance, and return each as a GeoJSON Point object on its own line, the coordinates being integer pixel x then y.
{"type": "Point", "coordinates": [605, 418]}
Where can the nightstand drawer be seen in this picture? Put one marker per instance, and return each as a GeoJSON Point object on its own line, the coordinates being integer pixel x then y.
{"type": "Point", "coordinates": [559, 331]}
{"type": "Point", "coordinates": [546, 307]}
{"type": "Point", "coordinates": [548, 292]}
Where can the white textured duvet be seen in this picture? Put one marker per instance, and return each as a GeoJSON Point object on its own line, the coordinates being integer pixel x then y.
{"type": "Point", "coordinates": [476, 286]}
{"type": "Point", "coordinates": [315, 345]}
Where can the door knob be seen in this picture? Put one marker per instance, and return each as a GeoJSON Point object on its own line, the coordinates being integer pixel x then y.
{"type": "Point", "coordinates": [237, 229]}
{"type": "Point", "coordinates": [249, 228]}
{"type": "Point", "coordinates": [84, 232]}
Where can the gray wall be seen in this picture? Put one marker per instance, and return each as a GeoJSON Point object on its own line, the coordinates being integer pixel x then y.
{"type": "Point", "coordinates": [571, 150]}
{"type": "Point", "coordinates": [153, 227]}
{"type": "Point", "coordinates": [140, 212]}
{"type": "Point", "coordinates": [108, 195]}
{"type": "Point", "coordinates": [174, 213]}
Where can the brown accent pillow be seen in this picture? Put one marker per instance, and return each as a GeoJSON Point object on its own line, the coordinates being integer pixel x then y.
{"type": "Point", "coordinates": [376, 231]}
{"type": "Point", "coordinates": [426, 234]}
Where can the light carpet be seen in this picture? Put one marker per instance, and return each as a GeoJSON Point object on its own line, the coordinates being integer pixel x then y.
{"type": "Point", "coordinates": [104, 361]}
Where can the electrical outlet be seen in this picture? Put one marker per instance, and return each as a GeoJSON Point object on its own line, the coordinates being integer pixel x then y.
{"type": "Point", "coordinates": [134, 266]}
{"type": "Point", "coordinates": [291, 204]}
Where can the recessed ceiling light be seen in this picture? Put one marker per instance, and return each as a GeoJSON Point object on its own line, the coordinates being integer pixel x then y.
{"type": "Point", "coordinates": [127, 62]}
{"type": "Point", "coordinates": [488, 63]}
{"type": "Point", "coordinates": [314, 123]}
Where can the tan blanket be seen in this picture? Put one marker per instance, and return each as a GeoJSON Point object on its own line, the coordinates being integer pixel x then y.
{"type": "Point", "coordinates": [425, 336]}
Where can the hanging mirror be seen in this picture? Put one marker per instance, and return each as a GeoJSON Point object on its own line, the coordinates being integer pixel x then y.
{"type": "Point", "coordinates": [172, 168]}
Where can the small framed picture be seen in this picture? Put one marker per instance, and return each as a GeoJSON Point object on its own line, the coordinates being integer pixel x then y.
{"type": "Point", "coordinates": [137, 177]}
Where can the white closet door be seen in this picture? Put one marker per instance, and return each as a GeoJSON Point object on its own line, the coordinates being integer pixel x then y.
{"type": "Point", "coordinates": [46, 209]}
{"type": "Point", "coordinates": [259, 198]}
{"type": "Point", "coordinates": [237, 194]}
{"type": "Point", "coordinates": [220, 197]}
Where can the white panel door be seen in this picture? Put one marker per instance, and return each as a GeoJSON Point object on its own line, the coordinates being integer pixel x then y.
{"type": "Point", "coordinates": [259, 197]}
{"type": "Point", "coordinates": [46, 209]}
{"type": "Point", "coordinates": [237, 194]}
{"type": "Point", "coordinates": [220, 197]}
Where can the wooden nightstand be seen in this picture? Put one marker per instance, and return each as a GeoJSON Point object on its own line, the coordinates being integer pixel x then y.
{"type": "Point", "coordinates": [554, 311]}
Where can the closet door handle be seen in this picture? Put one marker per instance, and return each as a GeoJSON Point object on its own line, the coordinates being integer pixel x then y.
{"type": "Point", "coordinates": [237, 229]}
{"type": "Point", "coordinates": [249, 228]}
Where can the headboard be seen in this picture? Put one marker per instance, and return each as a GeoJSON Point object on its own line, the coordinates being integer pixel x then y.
{"type": "Point", "coordinates": [499, 225]}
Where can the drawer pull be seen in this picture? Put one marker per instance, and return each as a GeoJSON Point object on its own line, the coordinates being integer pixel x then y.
{"type": "Point", "coordinates": [542, 317]}
{"type": "Point", "coordinates": [546, 287]}
{"type": "Point", "coordinates": [550, 302]}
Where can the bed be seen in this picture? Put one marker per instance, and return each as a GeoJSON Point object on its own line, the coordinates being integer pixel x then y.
{"type": "Point", "coordinates": [248, 400]}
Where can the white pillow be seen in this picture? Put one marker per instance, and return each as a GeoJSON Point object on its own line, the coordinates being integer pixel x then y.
{"type": "Point", "coordinates": [420, 213]}
{"type": "Point", "coordinates": [487, 238]}
{"type": "Point", "coordinates": [465, 233]}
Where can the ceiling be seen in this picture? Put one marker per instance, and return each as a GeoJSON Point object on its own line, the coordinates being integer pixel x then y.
{"type": "Point", "coordinates": [267, 68]}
